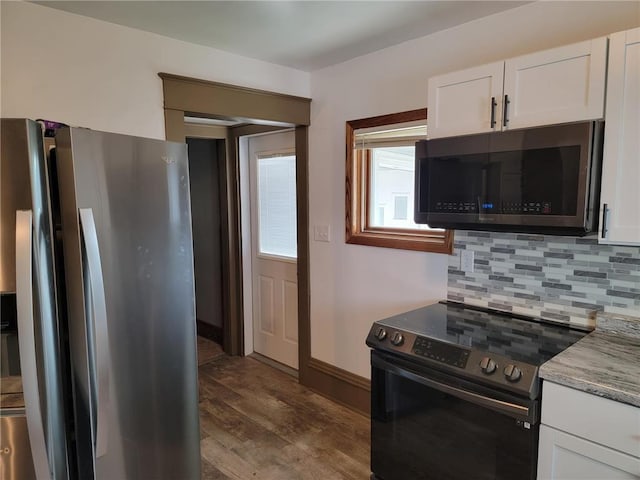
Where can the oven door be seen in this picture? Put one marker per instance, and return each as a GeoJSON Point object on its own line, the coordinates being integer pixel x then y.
{"type": "Point", "coordinates": [429, 425]}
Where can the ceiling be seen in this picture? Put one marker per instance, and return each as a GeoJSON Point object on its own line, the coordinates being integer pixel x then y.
{"type": "Point", "coordinates": [306, 35]}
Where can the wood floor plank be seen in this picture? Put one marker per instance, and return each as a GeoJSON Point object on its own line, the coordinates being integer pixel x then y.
{"type": "Point", "coordinates": [258, 422]}
{"type": "Point", "coordinates": [226, 460]}
{"type": "Point", "coordinates": [210, 472]}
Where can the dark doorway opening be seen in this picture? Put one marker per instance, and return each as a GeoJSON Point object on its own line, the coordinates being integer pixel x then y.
{"type": "Point", "coordinates": [205, 159]}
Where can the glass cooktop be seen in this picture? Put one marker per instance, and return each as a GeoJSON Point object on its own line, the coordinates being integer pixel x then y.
{"type": "Point", "coordinates": [519, 338]}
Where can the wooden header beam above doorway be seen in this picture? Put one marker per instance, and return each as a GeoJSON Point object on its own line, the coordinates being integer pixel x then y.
{"type": "Point", "coordinates": [194, 95]}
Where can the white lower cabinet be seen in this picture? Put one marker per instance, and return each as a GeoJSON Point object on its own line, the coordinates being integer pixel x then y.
{"type": "Point", "coordinates": [586, 437]}
{"type": "Point", "coordinates": [566, 457]}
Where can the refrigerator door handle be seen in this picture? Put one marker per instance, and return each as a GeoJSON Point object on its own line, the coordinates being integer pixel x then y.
{"type": "Point", "coordinates": [27, 343]}
{"type": "Point", "coordinates": [90, 239]}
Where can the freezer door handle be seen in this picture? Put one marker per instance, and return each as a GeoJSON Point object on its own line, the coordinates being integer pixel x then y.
{"type": "Point", "coordinates": [27, 344]}
{"type": "Point", "coordinates": [99, 308]}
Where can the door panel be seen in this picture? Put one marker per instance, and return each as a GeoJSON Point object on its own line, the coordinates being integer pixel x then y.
{"type": "Point", "coordinates": [621, 166]}
{"type": "Point", "coordinates": [36, 355]}
{"type": "Point", "coordinates": [460, 102]}
{"type": "Point", "coordinates": [274, 248]}
{"type": "Point", "coordinates": [566, 457]}
{"type": "Point", "coordinates": [290, 301]}
{"type": "Point", "coordinates": [265, 312]}
{"type": "Point", "coordinates": [17, 463]}
{"type": "Point", "coordinates": [138, 191]}
{"type": "Point", "coordinates": [564, 84]}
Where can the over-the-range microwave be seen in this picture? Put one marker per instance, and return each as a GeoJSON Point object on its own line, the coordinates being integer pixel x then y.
{"type": "Point", "coordinates": [534, 180]}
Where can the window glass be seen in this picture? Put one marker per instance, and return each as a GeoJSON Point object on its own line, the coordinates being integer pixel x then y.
{"type": "Point", "coordinates": [391, 188]}
{"type": "Point", "coordinates": [400, 207]}
{"type": "Point", "coordinates": [379, 183]}
{"type": "Point", "coordinates": [277, 205]}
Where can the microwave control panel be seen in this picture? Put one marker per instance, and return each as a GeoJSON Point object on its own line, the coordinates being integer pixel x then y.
{"type": "Point", "coordinates": [505, 208]}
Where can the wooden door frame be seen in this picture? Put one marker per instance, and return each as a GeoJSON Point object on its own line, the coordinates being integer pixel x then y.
{"type": "Point", "coordinates": [264, 111]}
{"type": "Point", "coordinates": [261, 110]}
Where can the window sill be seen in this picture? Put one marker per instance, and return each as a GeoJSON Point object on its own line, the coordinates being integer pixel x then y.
{"type": "Point", "coordinates": [404, 241]}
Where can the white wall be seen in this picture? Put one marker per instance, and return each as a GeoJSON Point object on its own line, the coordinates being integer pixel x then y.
{"type": "Point", "coordinates": [85, 72]}
{"type": "Point", "coordinates": [89, 73]}
{"type": "Point", "coordinates": [351, 286]}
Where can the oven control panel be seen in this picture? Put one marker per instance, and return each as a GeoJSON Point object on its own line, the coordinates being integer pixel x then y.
{"type": "Point", "coordinates": [441, 352]}
{"type": "Point", "coordinates": [487, 367]}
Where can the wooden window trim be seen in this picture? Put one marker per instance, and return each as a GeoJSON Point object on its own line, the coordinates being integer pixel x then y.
{"type": "Point", "coordinates": [358, 164]}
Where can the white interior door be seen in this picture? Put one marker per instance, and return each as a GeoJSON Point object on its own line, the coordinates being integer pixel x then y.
{"type": "Point", "coordinates": [272, 176]}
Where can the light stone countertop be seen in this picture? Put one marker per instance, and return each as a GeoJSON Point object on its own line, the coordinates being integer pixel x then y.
{"type": "Point", "coordinates": [605, 363]}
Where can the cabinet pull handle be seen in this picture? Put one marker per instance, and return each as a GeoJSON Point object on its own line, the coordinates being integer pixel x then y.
{"type": "Point", "coordinates": [505, 119]}
{"type": "Point", "coordinates": [605, 210]}
{"type": "Point", "coordinates": [493, 112]}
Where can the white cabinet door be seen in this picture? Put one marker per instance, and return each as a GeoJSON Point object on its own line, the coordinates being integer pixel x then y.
{"type": "Point", "coordinates": [560, 85]}
{"type": "Point", "coordinates": [565, 457]}
{"type": "Point", "coordinates": [460, 102]}
{"type": "Point", "coordinates": [610, 423]}
{"type": "Point", "coordinates": [620, 196]}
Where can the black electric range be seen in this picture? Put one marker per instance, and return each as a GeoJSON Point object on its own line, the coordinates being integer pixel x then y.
{"type": "Point", "coordinates": [455, 392]}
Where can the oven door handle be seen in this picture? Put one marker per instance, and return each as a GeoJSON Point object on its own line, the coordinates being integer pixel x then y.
{"type": "Point", "coordinates": [511, 409]}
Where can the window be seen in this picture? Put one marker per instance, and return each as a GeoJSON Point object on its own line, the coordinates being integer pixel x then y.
{"type": "Point", "coordinates": [380, 184]}
{"type": "Point", "coordinates": [277, 206]}
{"type": "Point", "coordinates": [400, 207]}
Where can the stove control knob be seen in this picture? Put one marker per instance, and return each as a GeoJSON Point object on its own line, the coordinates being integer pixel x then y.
{"type": "Point", "coordinates": [487, 365]}
{"type": "Point", "coordinates": [381, 334]}
{"type": "Point", "coordinates": [512, 373]}
{"type": "Point", "coordinates": [397, 339]}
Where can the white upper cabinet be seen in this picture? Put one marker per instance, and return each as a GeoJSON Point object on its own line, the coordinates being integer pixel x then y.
{"type": "Point", "coordinates": [460, 102]}
{"type": "Point", "coordinates": [565, 84]}
{"type": "Point", "coordinates": [562, 85]}
{"type": "Point", "coordinates": [620, 195]}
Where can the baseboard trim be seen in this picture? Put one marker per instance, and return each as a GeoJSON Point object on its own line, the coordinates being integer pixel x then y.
{"type": "Point", "coordinates": [339, 385]}
{"type": "Point", "coordinates": [272, 363]}
{"type": "Point", "coordinates": [212, 332]}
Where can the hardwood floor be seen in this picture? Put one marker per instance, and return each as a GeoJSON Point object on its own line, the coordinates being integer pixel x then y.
{"type": "Point", "coordinates": [257, 422]}
{"type": "Point", "coordinates": [208, 350]}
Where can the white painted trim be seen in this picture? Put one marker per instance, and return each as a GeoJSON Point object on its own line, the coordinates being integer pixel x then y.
{"type": "Point", "coordinates": [245, 229]}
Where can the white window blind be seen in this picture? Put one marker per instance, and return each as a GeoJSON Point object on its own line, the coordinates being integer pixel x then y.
{"type": "Point", "coordinates": [396, 135]}
{"type": "Point", "coordinates": [277, 206]}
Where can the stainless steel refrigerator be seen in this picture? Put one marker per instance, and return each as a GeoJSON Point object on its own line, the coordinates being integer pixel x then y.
{"type": "Point", "coordinates": [97, 270]}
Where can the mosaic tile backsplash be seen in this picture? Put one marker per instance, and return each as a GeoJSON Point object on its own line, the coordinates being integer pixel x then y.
{"type": "Point", "coordinates": [566, 279]}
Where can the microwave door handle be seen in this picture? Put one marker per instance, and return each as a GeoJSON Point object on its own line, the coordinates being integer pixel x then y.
{"type": "Point", "coordinates": [98, 302]}
{"type": "Point", "coordinates": [511, 409]}
{"type": "Point", "coordinates": [27, 344]}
